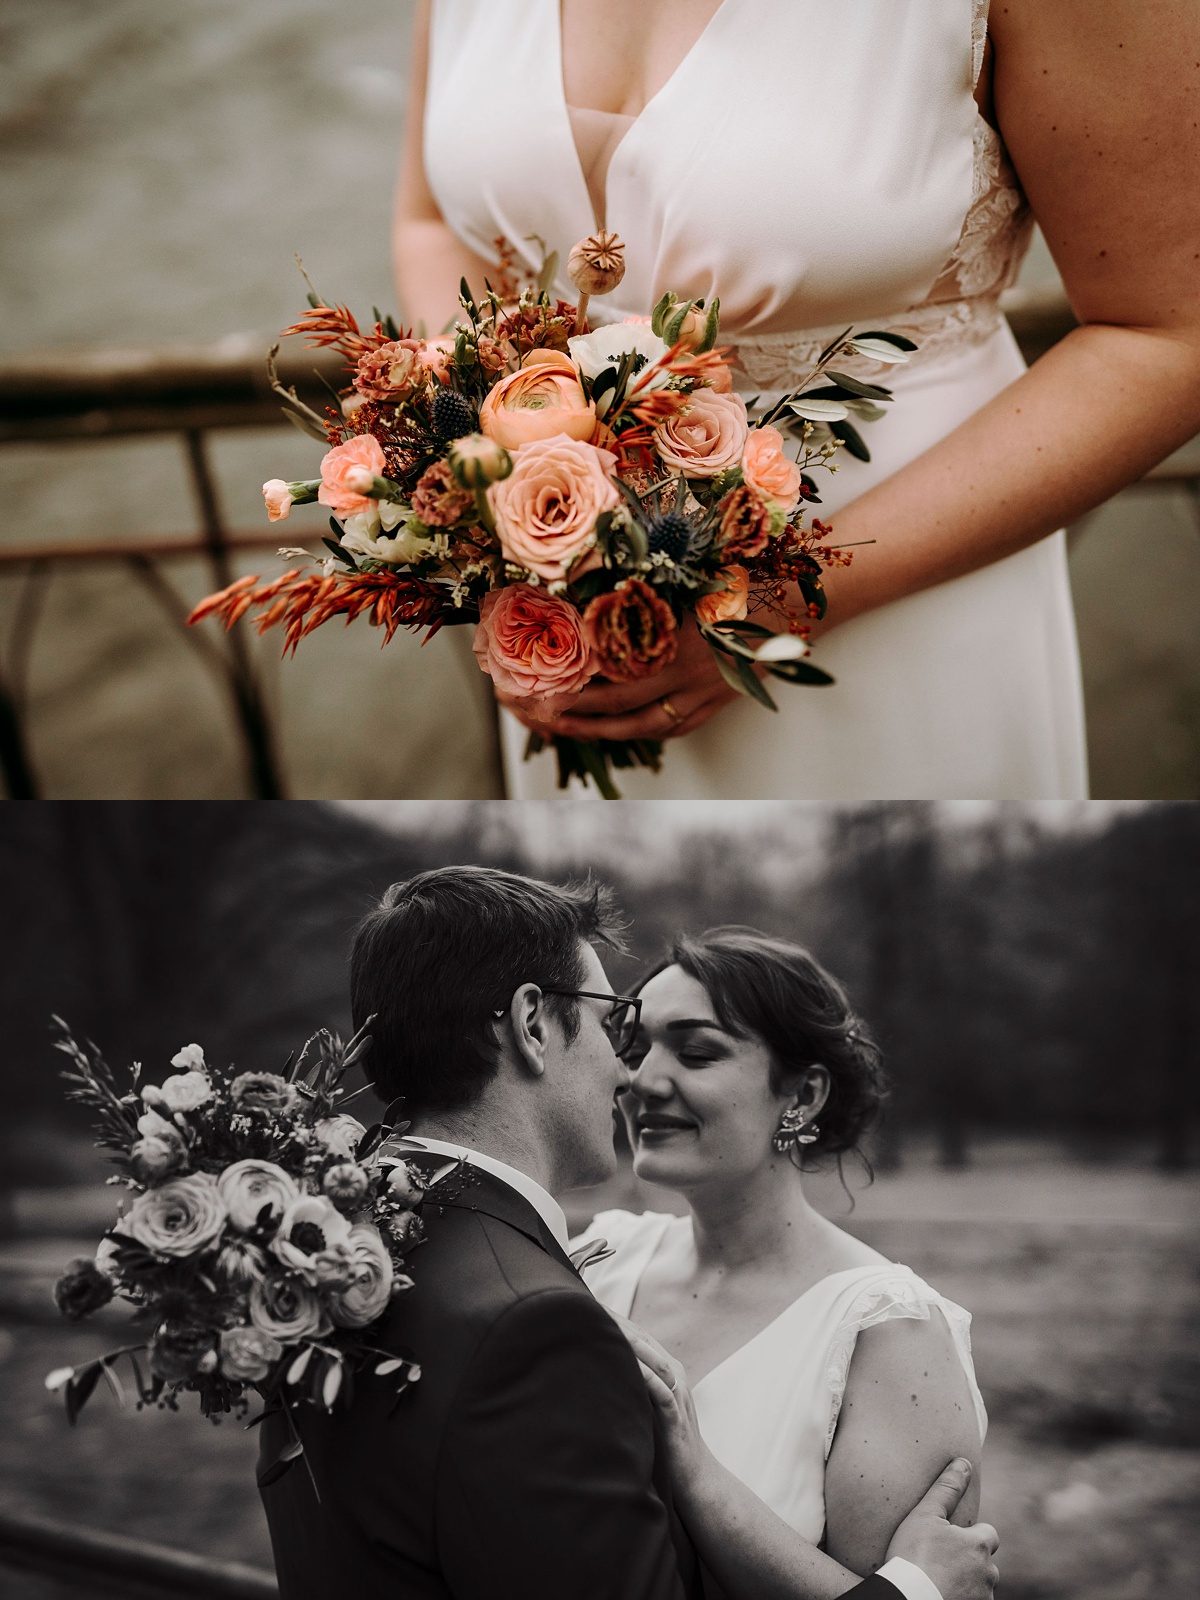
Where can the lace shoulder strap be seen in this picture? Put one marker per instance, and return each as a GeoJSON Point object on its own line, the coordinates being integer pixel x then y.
{"type": "Point", "coordinates": [979, 27]}
{"type": "Point", "coordinates": [893, 1292]}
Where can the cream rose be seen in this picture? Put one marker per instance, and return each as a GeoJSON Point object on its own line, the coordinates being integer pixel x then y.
{"type": "Point", "coordinates": [285, 1307]}
{"type": "Point", "coordinates": [546, 508]}
{"type": "Point", "coordinates": [543, 399]}
{"type": "Point", "coordinates": [310, 1229]}
{"type": "Point", "coordinates": [248, 1354]}
{"type": "Point", "coordinates": [367, 1294]}
{"type": "Point", "coordinates": [178, 1219]}
{"type": "Point", "coordinates": [247, 1186]}
{"type": "Point", "coordinates": [706, 439]}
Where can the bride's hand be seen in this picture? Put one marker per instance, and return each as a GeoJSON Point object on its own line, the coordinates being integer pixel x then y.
{"type": "Point", "coordinates": [667, 1385]}
{"type": "Point", "coordinates": [692, 687]}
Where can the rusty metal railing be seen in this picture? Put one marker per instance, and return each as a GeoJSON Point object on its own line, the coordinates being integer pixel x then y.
{"type": "Point", "coordinates": [89, 396]}
{"type": "Point", "coordinates": [92, 1562]}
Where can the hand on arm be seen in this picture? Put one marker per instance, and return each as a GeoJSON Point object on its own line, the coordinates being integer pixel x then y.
{"type": "Point", "coordinates": [755, 1555]}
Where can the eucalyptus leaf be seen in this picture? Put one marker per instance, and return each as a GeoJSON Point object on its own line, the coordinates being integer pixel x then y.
{"type": "Point", "coordinates": [897, 339]}
{"type": "Point", "coordinates": [829, 411]}
{"type": "Point", "coordinates": [852, 439]}
{"type": "Point", "coordinates": [800, 672]}
{"type": "Point", "coordinates": [865, 391]}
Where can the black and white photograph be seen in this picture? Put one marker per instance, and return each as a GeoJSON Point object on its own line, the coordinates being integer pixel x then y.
{"type": "Point", "coordinates": [708, 1200]}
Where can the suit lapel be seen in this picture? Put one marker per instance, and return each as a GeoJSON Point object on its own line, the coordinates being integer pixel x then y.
{"type": "Point", "coordinates": [488, 1194]}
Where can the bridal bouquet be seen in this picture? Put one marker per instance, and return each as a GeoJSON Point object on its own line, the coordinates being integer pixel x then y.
{"type": "Point", "coordinates": [265, 1238]}
{"type": "Point", "coordinates": [573, 494]}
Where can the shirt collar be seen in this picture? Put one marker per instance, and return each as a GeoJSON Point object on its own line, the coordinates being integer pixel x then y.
{"type": "Point", "coordinates": [546, 1206]}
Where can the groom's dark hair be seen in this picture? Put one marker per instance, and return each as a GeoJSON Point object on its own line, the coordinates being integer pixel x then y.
{"type": "Point", "coordinates": [446, 949]}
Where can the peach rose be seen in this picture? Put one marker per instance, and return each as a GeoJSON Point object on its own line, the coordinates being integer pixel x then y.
{"type": "Point", "coordinates": [531, 645]}
{"type": "Point", "coordinates": [707, 438]}
{"type": "Point", "coordinates": [337, 473]}
{"type": "Point", "coordinates": [546, 508]}
{"type": "Point", "coordinates": [729, 604]}
{"type": "Point", "coordinates": [278, 497]}
{"type": "Point", "coordinates": [767, 469]}
{"type": "Point", "coordinates": [543, 399]}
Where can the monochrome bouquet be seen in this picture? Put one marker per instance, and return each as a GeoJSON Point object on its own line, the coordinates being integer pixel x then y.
{"type": "Point", "coordinates": [266, 1237]}
{"type": "Point", "coordinates": [574, 494]}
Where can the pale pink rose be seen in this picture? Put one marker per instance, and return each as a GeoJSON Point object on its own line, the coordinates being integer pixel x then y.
{"type": "Point", "coordinates": [531, 645]}
{"type": "Point", "coordinates": [278, 497]}
{"type": "Point", "coordinates": [707, 438]}
{"type": "Point", "coordinates": [543, 399]}
{"type": "Point", "coordinates": [729, 604]}
{"type": "Point", "coordinates": [767, 469]}
{"type": "Point", "coordinates": [546, 508]}
{"type": "Point", "coordinates": [364, 450]}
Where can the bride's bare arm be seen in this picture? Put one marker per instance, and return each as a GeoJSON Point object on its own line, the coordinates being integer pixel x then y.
{"type": "Point", "coordinates": [755, 1555]}
{"type": "Point", "coordinates": [906, 1410]}
{"type": "Point", "coordinates": [429, 260]}
{"type": "Point", "coordinates": [1098, 102]}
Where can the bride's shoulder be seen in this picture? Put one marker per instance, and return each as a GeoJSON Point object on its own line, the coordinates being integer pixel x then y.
{"type": "Point", "coordinates": [621, 1229]}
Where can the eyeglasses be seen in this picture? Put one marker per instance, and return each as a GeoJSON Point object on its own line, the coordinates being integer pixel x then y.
{"type": "Point", "coordinates": [620, 1022]}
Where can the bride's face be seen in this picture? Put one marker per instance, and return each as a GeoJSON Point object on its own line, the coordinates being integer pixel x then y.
{"type": "Point", "coordinates": [699, 1103]}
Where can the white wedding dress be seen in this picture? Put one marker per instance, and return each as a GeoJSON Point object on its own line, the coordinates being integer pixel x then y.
{"type": "Point", "coordinates": [816, 163]}
{"type": "Point", "coordinates": [769, 1411]}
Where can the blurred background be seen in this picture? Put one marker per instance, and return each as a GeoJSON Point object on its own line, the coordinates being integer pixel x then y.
{"type": "Point", "coordinates": [160, 167]}
{"type": "Point", "coordinates": [1030, 970]}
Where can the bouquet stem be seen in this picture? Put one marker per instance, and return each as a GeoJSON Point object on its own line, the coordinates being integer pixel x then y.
{"type": "Point", "coordinates": [595, 759]}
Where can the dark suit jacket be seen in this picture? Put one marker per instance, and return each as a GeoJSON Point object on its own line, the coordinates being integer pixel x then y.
{"type": "Point", "coordinates": [522, 1464]}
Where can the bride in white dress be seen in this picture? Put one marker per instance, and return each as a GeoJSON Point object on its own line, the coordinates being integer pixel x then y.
{"type": "Point", "coordinates": [831, 1382]}
{"type": "Point", "coordinates": [817, 165]}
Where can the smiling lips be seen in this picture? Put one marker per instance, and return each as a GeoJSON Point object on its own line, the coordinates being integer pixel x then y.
{"type": "Point", "coordinates": [655, 1124]}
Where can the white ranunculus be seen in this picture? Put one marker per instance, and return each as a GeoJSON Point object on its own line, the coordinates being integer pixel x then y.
{"type": "Point", "coordinates": [180, 1218]}
{"type": "Point", "coordinates": [370, 1289]}
{"type": "Point", "coordinates": [310, 1227]}
{"type": "Point", "coordinates": [340, 1135]}
{"type": "Point", "coordinates": [604, 347]}
{"type": "Point", "coordinates": [185, 1091]}
{"type": "Point", "coordinates": [247, 1186]}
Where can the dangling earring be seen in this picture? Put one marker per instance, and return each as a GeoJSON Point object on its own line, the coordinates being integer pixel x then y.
{"type": "Point", "coordinates": [794, 1128]}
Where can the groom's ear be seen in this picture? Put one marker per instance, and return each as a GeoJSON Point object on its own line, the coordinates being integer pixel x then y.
{"type": "Point", "coordinates": [525, 1023]}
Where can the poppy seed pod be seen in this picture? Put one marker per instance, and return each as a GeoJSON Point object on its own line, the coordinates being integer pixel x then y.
{"type": "Point", "coordinates": [596, 265]}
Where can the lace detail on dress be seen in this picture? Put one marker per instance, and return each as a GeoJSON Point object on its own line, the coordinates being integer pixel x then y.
{"type": "Point", "coordinates": [963, 307]}
{"type": "Point", "coordinates": [979, 25]}
{"type": "Point", "coordinates": [881, 1302]}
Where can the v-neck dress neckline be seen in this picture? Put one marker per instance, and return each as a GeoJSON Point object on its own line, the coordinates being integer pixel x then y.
{"type": "Point", "coordinates": [633, 120]}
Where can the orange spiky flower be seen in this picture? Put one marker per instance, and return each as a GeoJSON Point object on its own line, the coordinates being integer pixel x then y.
{"type": "Point", "coordinates": [303, 601]}
{"type": "Point", "coordinates": [337, 325]}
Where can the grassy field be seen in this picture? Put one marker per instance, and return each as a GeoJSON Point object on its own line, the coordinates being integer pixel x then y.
{"type": "Point", "coordinates": [1085, 1287]}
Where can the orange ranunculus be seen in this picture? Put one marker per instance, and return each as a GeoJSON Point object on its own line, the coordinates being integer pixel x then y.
{"type": "Point", "coordinates": [707, 439]}
{"type": "Point", "coordinates": [767, 469]}
{"type": "Point", "coordinates": [532, 646]}
{"type": "Point", "coordinates": [338, 471]}
{"type": "Point", "coordinates": [546, 508]}
{"type": "Point", "coordinates": [729, 604]}
{"type": "Point", "coordinates": [543, 399]}
{"type": "Point", "coordinates": [631, 632]}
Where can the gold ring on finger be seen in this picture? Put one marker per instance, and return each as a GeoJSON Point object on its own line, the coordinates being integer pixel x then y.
{"type": "Point", "coordinates": [676, 719]}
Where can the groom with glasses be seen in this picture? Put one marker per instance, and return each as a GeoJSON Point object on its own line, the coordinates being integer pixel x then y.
{"type": "Point", "coordinates": [524, 1463]}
